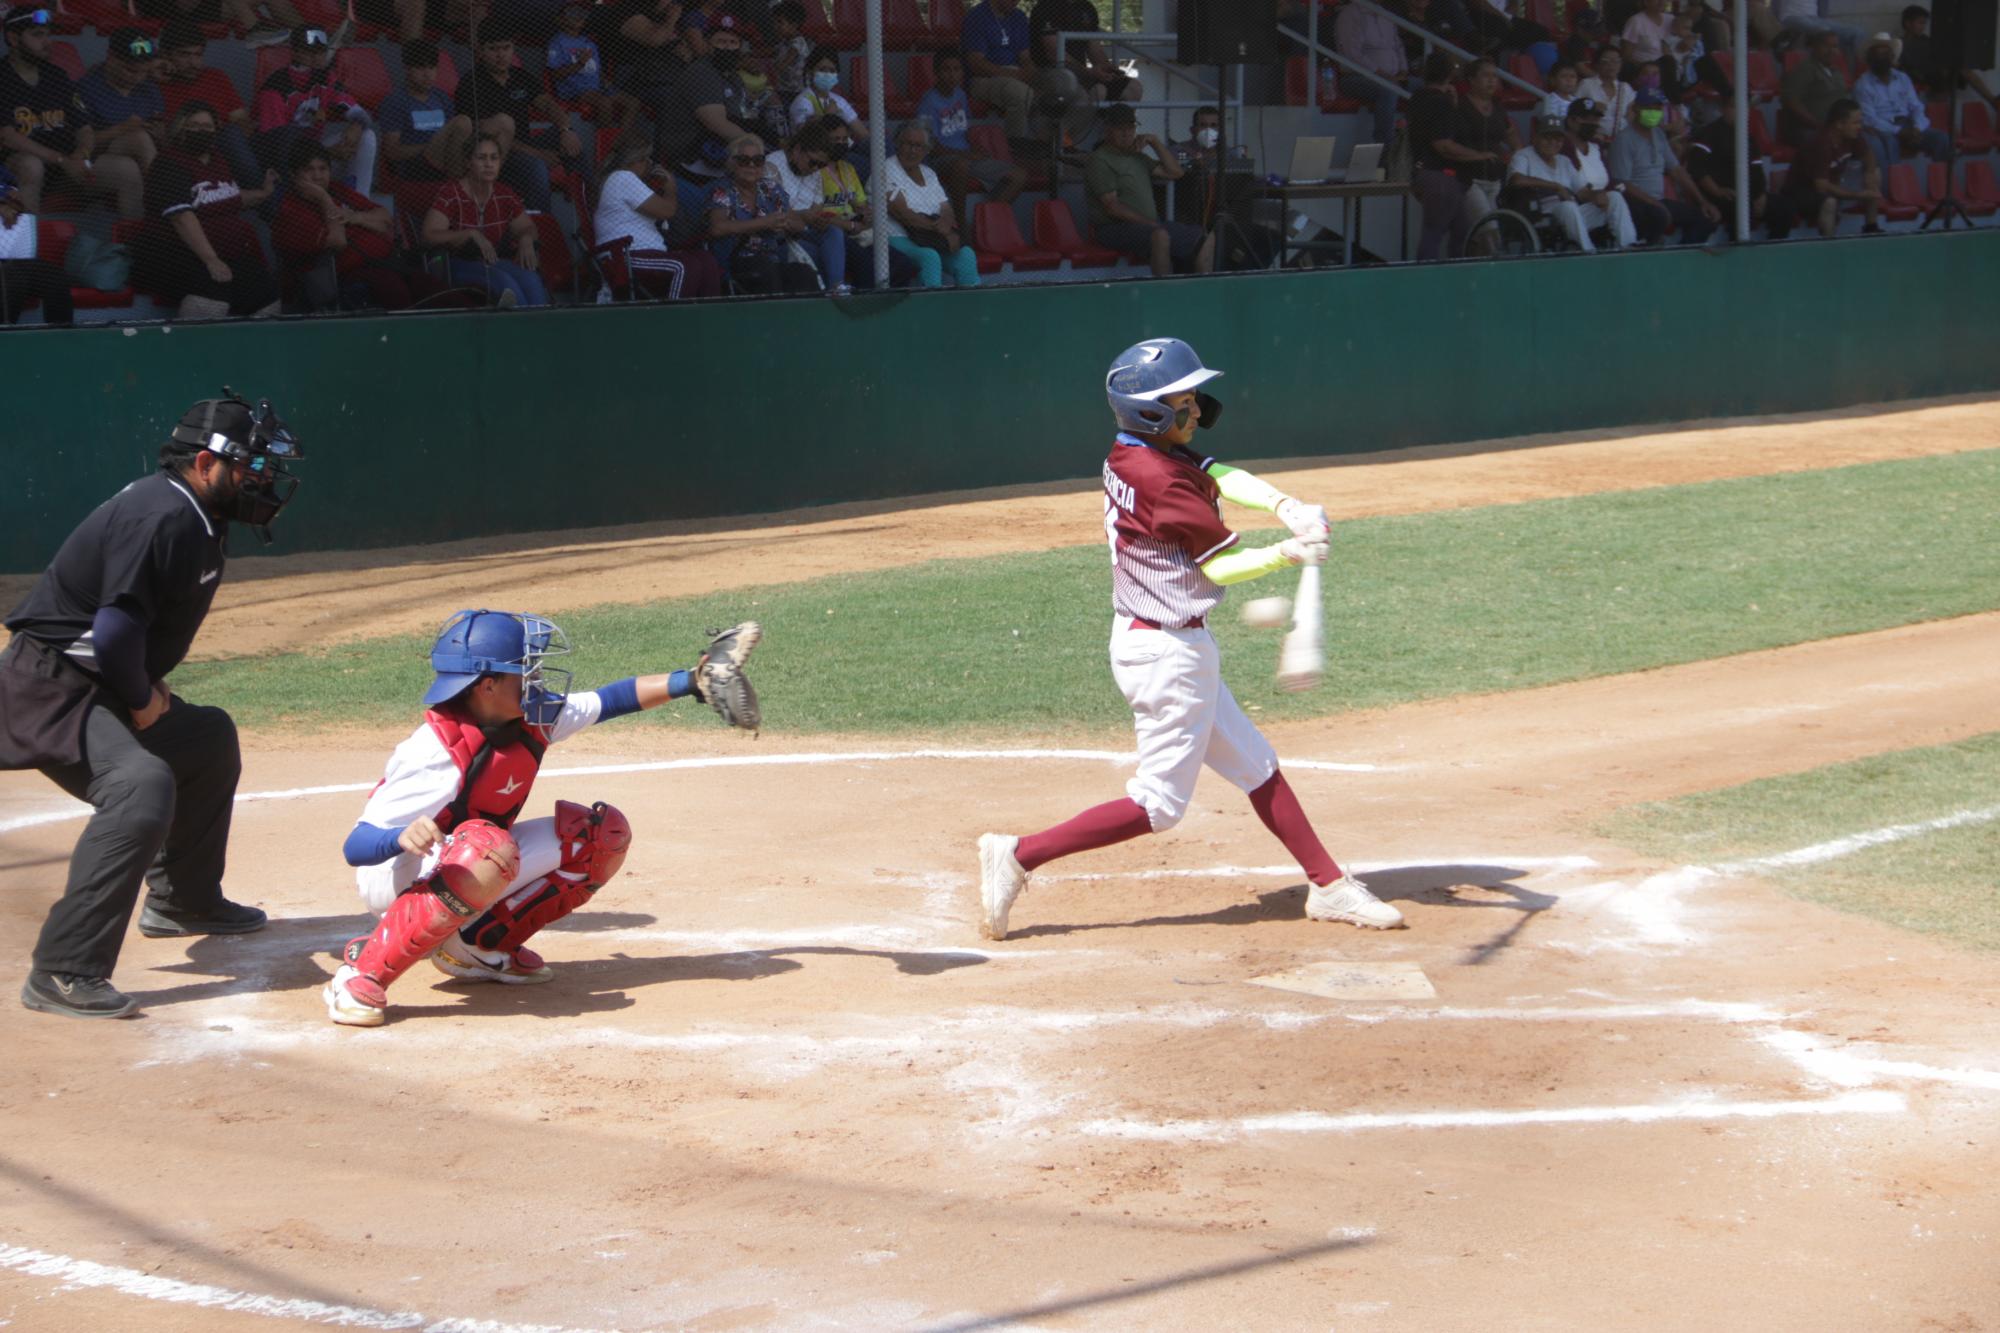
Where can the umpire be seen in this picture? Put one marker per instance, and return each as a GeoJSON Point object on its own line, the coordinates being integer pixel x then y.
{"type": "Point", "coordinates": [83, 699]}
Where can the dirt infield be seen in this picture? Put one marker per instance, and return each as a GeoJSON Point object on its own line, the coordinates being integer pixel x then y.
{"type": "Point", "coordinates": [779, 1082]}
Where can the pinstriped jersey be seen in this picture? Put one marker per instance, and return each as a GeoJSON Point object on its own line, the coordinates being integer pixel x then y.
{"type": "Point", "coordinates": [1163, 518]}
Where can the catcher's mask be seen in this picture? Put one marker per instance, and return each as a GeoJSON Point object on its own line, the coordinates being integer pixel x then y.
{"type": "Point", "coordinates": [502, 643]}
{"type": "Point", "coordinates": [256, 437]}
{"type": "Point", "coordinates": [1147, 372]}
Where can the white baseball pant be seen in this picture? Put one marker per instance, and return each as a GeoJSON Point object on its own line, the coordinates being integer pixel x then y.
{"type": "Point", "coordinates": [1184, 717]}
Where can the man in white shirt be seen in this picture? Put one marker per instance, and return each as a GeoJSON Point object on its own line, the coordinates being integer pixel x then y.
{"type": "Point", "coordinates": [1893, 116]}
{"type": "Point", "coordinates": [1603, 203]}
{"type": "Point", "coordinates": [1550, 179]}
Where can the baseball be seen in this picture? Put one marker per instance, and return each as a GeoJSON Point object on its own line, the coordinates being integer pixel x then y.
{"type": "Point", "coordinates": [1267, 612]}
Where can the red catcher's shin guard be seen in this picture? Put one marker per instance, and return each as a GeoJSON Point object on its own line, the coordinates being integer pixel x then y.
{"type": "Point", "coordinates": [479, 861]}
{"type": "Point", "coordinates": [594, 842]}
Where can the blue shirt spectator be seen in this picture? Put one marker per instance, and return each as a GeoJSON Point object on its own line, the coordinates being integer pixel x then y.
{"type": "Point", "coordinates": [948, 116]}
{"type": "Point", "coordinates": [109, 106]}
{"type": "Point", "coordinates": [1001, 38]}
{"type": "Point", "coordinates": [416, 119]}
{"type": "Point", "coordinates": [566, 49]}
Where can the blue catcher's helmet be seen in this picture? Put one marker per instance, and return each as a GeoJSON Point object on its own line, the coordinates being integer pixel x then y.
{"type": "Point", "coordinates": [1146, 372]}
{"type": "Point", "coordinates": [485, 643]}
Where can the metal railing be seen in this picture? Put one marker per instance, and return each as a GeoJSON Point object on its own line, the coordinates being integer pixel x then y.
{"type": "Point", "coordinates": [1430, 40]}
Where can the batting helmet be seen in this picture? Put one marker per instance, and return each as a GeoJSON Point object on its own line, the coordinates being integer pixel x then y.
{"type": "Point", "coordinates": [1145, 373]}
{"type": "Point", "coordinates": [501, 643]}
{"type": "Point", "coordinates": [230, 427]}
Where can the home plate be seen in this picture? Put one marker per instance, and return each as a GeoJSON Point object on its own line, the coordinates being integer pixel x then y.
{"type": "Point", "coordinates": [1353, 981]}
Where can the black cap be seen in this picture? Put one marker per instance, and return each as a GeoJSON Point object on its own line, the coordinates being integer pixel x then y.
{"type": "Point", "coordinates": [1583, 106]}
{"type": "Point", "coordinates": [306, 38]}
{"type": "Point", "coordinates": [131, 44]}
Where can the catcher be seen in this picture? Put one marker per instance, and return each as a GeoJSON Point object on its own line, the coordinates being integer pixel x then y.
{"type": "Point", "coordinates": [454, 878]}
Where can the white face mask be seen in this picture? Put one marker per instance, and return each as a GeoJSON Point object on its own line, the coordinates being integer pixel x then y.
{"type": "Point", "coordinates": [1207, 138]}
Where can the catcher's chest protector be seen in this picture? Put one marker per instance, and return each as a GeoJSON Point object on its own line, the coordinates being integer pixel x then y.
{"type": "Point", "coordinates": [496, 767]}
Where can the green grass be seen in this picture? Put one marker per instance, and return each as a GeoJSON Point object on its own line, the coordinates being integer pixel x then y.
{"type": "Point", "coordinates": [1418, 607]}
{"type": "Point", "coordinates": [1944, 883]}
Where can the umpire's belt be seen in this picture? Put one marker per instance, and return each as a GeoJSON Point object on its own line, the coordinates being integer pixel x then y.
{"type": "Point", "coordinates": [44, 699]}
{"type": "Point", "coordinates": [1196, 623]}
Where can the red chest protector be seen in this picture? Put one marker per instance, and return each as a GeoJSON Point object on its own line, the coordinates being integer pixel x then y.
{"type": "Point", "coordinates": [496, 767]}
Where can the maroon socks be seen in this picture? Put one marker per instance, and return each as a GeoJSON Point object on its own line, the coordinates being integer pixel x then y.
{"type": "Point", "coordinates": [1099, 826]}
{"type": "Point", "coordinates": [1279, 809]}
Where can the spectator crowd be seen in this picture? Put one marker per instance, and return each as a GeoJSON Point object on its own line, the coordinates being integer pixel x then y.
{"type": "Point", "coordinates": [712, 146]}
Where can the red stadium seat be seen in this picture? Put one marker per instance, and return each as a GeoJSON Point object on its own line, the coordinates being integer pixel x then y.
{"type": "Point", "coordinates": [103, 15]}
{"type": "Point", "coordinates": [919, 75]}
{"type": "Point", "coordinates": [1904, 200]}
{"type": "Point", "coordinates": [558, 264]}
{"type": "Point", "coordinates": [1055, 229]}
{"type": "Point", "coordinates": [1981, 194]}
{"type": "Point", "coordinates": [360, 69]}
{"type": "Point", "coordinates": [63, 55]}
{"type": "Point", "coordinates": [1975, 127]}
{"type": "Point", "coordinates": [902, 26]}
{"type": "Point", "coordinates": [1763, 76]}
{"type": "Point", "coordinates": [1295, 91]}
{"type": "Point", "coordinates": [850, 24]}
{"type": "Point", "coordinates": [1763, 143]}
{"type": "Point", "coordinates": [947, 22]}
{"type": "Point", "coordinates": [271, 59]}
{"type": "Point", "coordinates": [900, 104]}
{"type": "Point", "coordinates": [817, 30]}
{"type": "Point", "coordinates": [447, 77]}
{"type": "Point", "coordinates": [1522, 67]}
{"type": "Point", "coordinates": [994, 232]}
{"type": "Point", "coordinates": [990, 140]}
{"type": "Point", "coordinates": [1726, 61]}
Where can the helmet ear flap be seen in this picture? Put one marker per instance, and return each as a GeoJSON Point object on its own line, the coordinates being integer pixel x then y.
{"type": "Point", "coordinates": [1211, 409]}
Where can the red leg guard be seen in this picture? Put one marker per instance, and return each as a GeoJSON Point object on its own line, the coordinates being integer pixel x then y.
{"type": "Point", "coordinates": [594, 843]}
{"type": "Point", "coordinates": [479, 861]}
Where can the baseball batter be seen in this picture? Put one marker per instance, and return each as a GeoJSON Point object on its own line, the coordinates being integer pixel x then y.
{"type": "Point", "coordinates": [1172, 556]}
{"type": "Point", "coordinates": [442, 860]}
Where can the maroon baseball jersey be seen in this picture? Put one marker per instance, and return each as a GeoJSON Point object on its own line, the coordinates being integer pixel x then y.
{"type": "Point", "coordinates": [1163, 517]}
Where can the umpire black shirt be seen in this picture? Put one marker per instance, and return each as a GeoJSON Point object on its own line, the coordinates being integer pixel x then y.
{"type": "Point", "coordinates": [153, 552]}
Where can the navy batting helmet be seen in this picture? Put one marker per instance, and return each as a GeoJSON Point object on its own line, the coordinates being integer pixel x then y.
{"type": "Point", "coordinates": [1145, 373]}
{"type": "Point", "coordinates": [501, 643]}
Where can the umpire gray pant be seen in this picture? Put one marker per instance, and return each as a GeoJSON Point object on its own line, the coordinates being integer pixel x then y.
{"type": "Point", "coordinates": [163, 797]}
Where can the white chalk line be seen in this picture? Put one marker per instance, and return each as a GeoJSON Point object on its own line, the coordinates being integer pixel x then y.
{"type": "Point", "coordinates": [73, 1273]}
{"type": "Point", "coordinates": [1818, 1057]}
{"type": "Point", "coordinates": [1548, 863]}
{"type": "Point", "coordinates": [78, 810]}
{"type": "Point", "coordinates": [1655, 905]}
{"type": "Point", "coordinates": [1315, 1122]}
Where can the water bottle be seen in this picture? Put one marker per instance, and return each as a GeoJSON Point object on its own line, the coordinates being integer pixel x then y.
{"type": "Point", "coordinates": [1328, 88]}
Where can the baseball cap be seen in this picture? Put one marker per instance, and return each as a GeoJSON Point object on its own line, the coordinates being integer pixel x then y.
{"type": "Point", "coordinates": [21, 19]}
{"type": "Point", "coordinates": [1648, 98]}
{"type": "Point", "coordinates": [726, 23]}
{"type": "Point", "coordinates": [1549, 125]}
{"type": "Point", "coordinates": [303, 38]}
{"type": "Point", "coordinates": [131, 44]}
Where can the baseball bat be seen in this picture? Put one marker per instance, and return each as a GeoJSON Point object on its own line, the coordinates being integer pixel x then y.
{"type": "Point", "coordinates": [1302, 656]}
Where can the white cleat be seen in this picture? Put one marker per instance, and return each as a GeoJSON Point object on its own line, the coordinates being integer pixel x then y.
{"type": "Point", "coordinates": [1001, 880]}
{"type": "Point", "coordinates": [1348, 899]}
{"type": "Point", "coordinates": [345, 1007]}
{"type": "Point", "coordinates": [523, 967]}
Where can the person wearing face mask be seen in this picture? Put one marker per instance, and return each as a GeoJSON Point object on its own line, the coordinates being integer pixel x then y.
{"type": "Point", "coordinates": [820, 97]}
{"type": "Point", "coordinates": [710, 108]}
{"type": "Point", "coordinates": [1893, 116]}
{"type": "Point", "coordinates": [197, 250]}
{"type": "Point", "coordinates": [83, 689]}
{"type": "Point", "coordinates": [1208, 190]}
{"type": "Point", "coordinates": [1642, 160]}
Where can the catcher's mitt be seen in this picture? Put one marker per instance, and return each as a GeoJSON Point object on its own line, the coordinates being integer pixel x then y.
{"type": "Point", "coordinates": [719, 680]}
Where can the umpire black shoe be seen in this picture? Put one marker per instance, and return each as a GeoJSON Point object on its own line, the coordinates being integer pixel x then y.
{"type": "Point", "coordinates": [225, 918]}
{"type": "Point", "coordinates": [78, 997]}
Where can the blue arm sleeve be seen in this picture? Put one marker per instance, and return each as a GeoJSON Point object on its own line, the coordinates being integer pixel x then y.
{"type": "Point", "coordinates": [370, 846]}
{"type": "Point", "coordinates": [622, 696]}
{"type": "Point", "coordinates": [119, 641]}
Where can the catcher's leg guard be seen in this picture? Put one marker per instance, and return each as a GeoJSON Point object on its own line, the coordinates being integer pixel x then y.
{"type": "Point", "coordinates": [480, 860]}
{"type": "Point", "coordinates": [594, 841]}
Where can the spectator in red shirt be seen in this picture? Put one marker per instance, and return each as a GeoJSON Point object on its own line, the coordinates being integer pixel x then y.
{"type": "Point", "coordinates": [478, 219]}
{"type": "Point", "coordinates": [305, 100]}
{"type": "Point", "coordinates": [183, 78]}
{"type": "Point", "coordinates": [337, 247]}
{"type": "Point", "coordinates": [196, 248]}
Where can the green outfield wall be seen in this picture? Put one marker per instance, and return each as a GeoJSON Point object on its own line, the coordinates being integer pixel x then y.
{"type": "Point", "coordinates": [434, 427]}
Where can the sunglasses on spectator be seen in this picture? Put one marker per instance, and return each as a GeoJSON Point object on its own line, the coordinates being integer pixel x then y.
{"type": "Point", "coordinates": [35, 18]}
{"type": "Point", "coordinates": [142, 48]}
